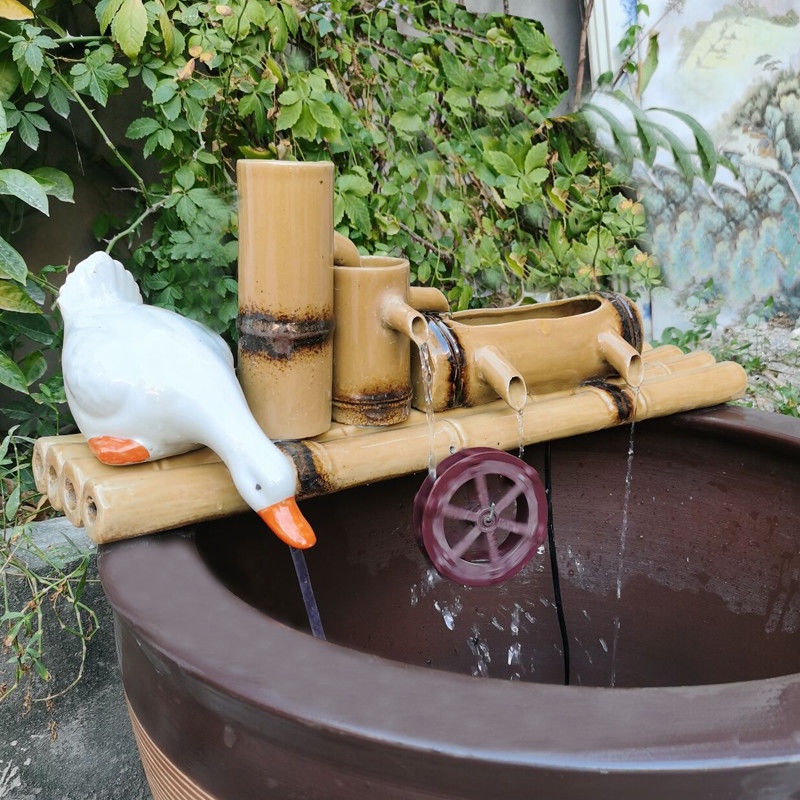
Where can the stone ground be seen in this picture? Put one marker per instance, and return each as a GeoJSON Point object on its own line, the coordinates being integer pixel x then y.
{"type": "Point", "coordinates": [770, 352]}
{"type": "Point", "coordinates": [79, 747]}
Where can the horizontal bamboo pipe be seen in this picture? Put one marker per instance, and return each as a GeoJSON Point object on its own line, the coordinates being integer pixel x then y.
{"type": "Point", "coordinates": [136, 500]}
{"type": "Point", "coordinates": [121, 506]}
{"type": "Point", "coordinates": [39, 458]}
{"type": "Point", "coordinates": [84, 468]}
{"type": "Point", "coordinates": [405, 448]}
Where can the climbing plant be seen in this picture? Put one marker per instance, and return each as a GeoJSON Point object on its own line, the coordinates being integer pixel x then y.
{"type": "Point", "coordinates": [443, 127]}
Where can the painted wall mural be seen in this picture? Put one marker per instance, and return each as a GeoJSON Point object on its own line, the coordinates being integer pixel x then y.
{"type": "Point", "coordinates": [734, 65]}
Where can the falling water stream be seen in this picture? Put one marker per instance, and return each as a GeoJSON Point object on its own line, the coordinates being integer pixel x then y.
{"type": "Point", "coordinates": [427, 382]}
{"type": "Point", "coordinates": [623, 535]}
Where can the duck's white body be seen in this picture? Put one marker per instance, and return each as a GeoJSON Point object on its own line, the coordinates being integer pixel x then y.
{"type": "Point", "coordinates": [143, 383]}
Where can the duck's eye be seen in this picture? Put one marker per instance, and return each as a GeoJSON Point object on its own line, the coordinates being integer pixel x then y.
{"type": "Point", "coordinates": [258, 487]}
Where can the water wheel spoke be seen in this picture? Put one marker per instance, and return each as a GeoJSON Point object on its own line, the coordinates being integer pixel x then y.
{"type": "Point", "coordinates": [482, 488]}
{"type": "Point", "coordinates": [513, 493]}
{"type": "Point", "coordinates": [452, 512]}
{"type": "Point", "coordinates": [515, 526]}
{"type": "Point", "coordinates": [462, 546]}
{"type": "Point", "coordinates": [494, 550]}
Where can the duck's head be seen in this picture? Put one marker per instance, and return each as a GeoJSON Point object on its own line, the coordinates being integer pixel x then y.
{"type": "Point", "coordinates": [269, 490]}
{"type": "Point", "coordinates": [97, 281]}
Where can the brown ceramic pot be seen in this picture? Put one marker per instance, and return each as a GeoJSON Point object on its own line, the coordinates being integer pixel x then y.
{"type": "Point", "coordinates": [686, 686]}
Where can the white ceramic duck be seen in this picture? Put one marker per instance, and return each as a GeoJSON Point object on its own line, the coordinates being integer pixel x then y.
{"type": "Point", "coordinates": [143, 383]}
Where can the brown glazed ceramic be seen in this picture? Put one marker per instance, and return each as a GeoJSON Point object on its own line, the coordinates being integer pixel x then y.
{"type": "Point", "coordinates": [509, 352]}
{"type": "Point", "coordinates": [286, 294]}
{"type": "Point", "coordinates": [683, 619]}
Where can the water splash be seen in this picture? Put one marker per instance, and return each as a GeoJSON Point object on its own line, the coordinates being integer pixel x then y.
{"type": "Point", "coordinates": [479, 648]}
{"type": "Point", "coordinates": [449, 612]}
{"type": "Point", "coordinates": [426, 365]}
{"type": "Point", "coordinates": [430, 579]}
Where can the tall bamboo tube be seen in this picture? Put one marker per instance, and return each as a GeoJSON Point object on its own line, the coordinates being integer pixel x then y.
{"type": "Point", "coordinates": [139, 499]}
{"type": "Point", "coordinates": [286, 294]}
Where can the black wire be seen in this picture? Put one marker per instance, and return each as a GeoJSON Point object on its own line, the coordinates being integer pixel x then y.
{"type": "Point", "coordinates": [551, 542]}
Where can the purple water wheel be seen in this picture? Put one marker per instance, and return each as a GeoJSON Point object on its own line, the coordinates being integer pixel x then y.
{"type": "Point", "coordinates": [482, 518]}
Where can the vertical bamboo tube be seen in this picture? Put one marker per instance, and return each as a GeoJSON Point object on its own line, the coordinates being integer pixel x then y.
{"type": "Point", "coordinates": [286, 294]}
{"type": "Point", "coordinates": [374, 328]}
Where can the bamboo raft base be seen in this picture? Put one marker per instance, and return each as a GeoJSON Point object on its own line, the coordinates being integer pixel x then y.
{"type": "Point", "coordinates": [120, 502]}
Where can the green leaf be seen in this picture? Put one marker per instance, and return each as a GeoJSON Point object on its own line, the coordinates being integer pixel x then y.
{"type": "Point", "coordinates": [706, 150]}
{"type": "Point", "coordinates": [648, 65]}
{"type": "Point", "coordinates": [455, 71]}
{"type": "Point", "coordinates": [106, 11]}
{"type": "Point", "coordinates": [306, 126]}
{"type": "Point", "coordinates": [406, 122]}
{"type": "Point", "coordinates": [357, 211]}
{"type": "Point", "coordinates": [19, 184]}
{"type": "Point", "coordinates": [55, 183]}
{"type": "Point", "coordinates": [288, 116]}
{"type": "Point", "coordinates": [493, 98]}
{"type": "Point", "coordinates": [459, 98]}
{"type": "Point", "coordinates": [33, 366]}
{"type": "Point", "coordinates": [322, 114]}
{"type": "Point", "coordinates": [536, 156]}
{"type": "Point", "coordinates": [185, 177]}
{"type": "Point", "coordinates": [618, 132]}
{"type": "Point", "coordinates": [12, 264]}
{"type": "Point", "coordinates": [501, 163]}
{"type": "Point", "coordinates": [354, 184]}
{"type": "Point", "coordinates": [9, 79]}
{"type": "Point", "coordinates": [142, 127]}
{"type": "Point", "coordinates": [164, 92]}
{"type": "Point", "coordinates": [14, 298]}
{"type": "Point", "coordinates": [681, 154]}
{"type": "Point", "coordinates": [12, 502]}
{"type": "Point", "coordinates": [129, 27]}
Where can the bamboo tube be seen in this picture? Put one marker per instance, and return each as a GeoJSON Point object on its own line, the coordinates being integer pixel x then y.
{"type": "Point", "coordinates": [371, 342]}
{"type": "Point", "coordinates": [39, 457]}
{"type": "Point", "coordinates": [650, 353]}
{"type": "Point", "coordinates": [122, 506]}
{"type": "Point", "coordinates": [286, 294]}
{"type": "Point", "coordinates": [671, 365]}
{"type": "Point", "coordinates": [427, 298]}
{"type": "Point", "coordinates": [80, 471]}
{"type": "Point", "coordinates": [57, 456]}
{"type": "Point", "coordinates": [135, 500]}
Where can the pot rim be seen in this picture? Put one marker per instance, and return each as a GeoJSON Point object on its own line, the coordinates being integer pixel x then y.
{"type": "Point", "coordinates": [219, 640]}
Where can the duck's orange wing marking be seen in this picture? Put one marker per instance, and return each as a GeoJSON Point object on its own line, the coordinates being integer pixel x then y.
{"type": "Point", "coordinates": [113, 450]}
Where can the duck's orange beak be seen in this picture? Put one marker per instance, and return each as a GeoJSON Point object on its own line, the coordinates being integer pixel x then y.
{"type": "Point", "coordinates": [288, 524]}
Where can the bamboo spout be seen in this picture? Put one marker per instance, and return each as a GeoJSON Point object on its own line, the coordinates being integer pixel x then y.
{"type": "Point", "coordinates": [620, 355]}
{"type": "Point", "coordinates": [427, 298]}
{"type": "Point", "coordinates": [399, 316]}
{"type": "Point", "coordinates": [495, 370]}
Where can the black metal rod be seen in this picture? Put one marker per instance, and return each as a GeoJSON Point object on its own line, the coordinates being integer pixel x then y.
{"type": "Point", "coordinates": [551, 542]}
{"type": "Point", "coordinates": [307, 590]}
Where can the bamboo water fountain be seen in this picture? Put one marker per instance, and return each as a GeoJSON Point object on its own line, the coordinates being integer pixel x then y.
{"type": "Point", "coordinates": [333, 382]}
{"type": "Point", "coordinates": [229, 696]}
